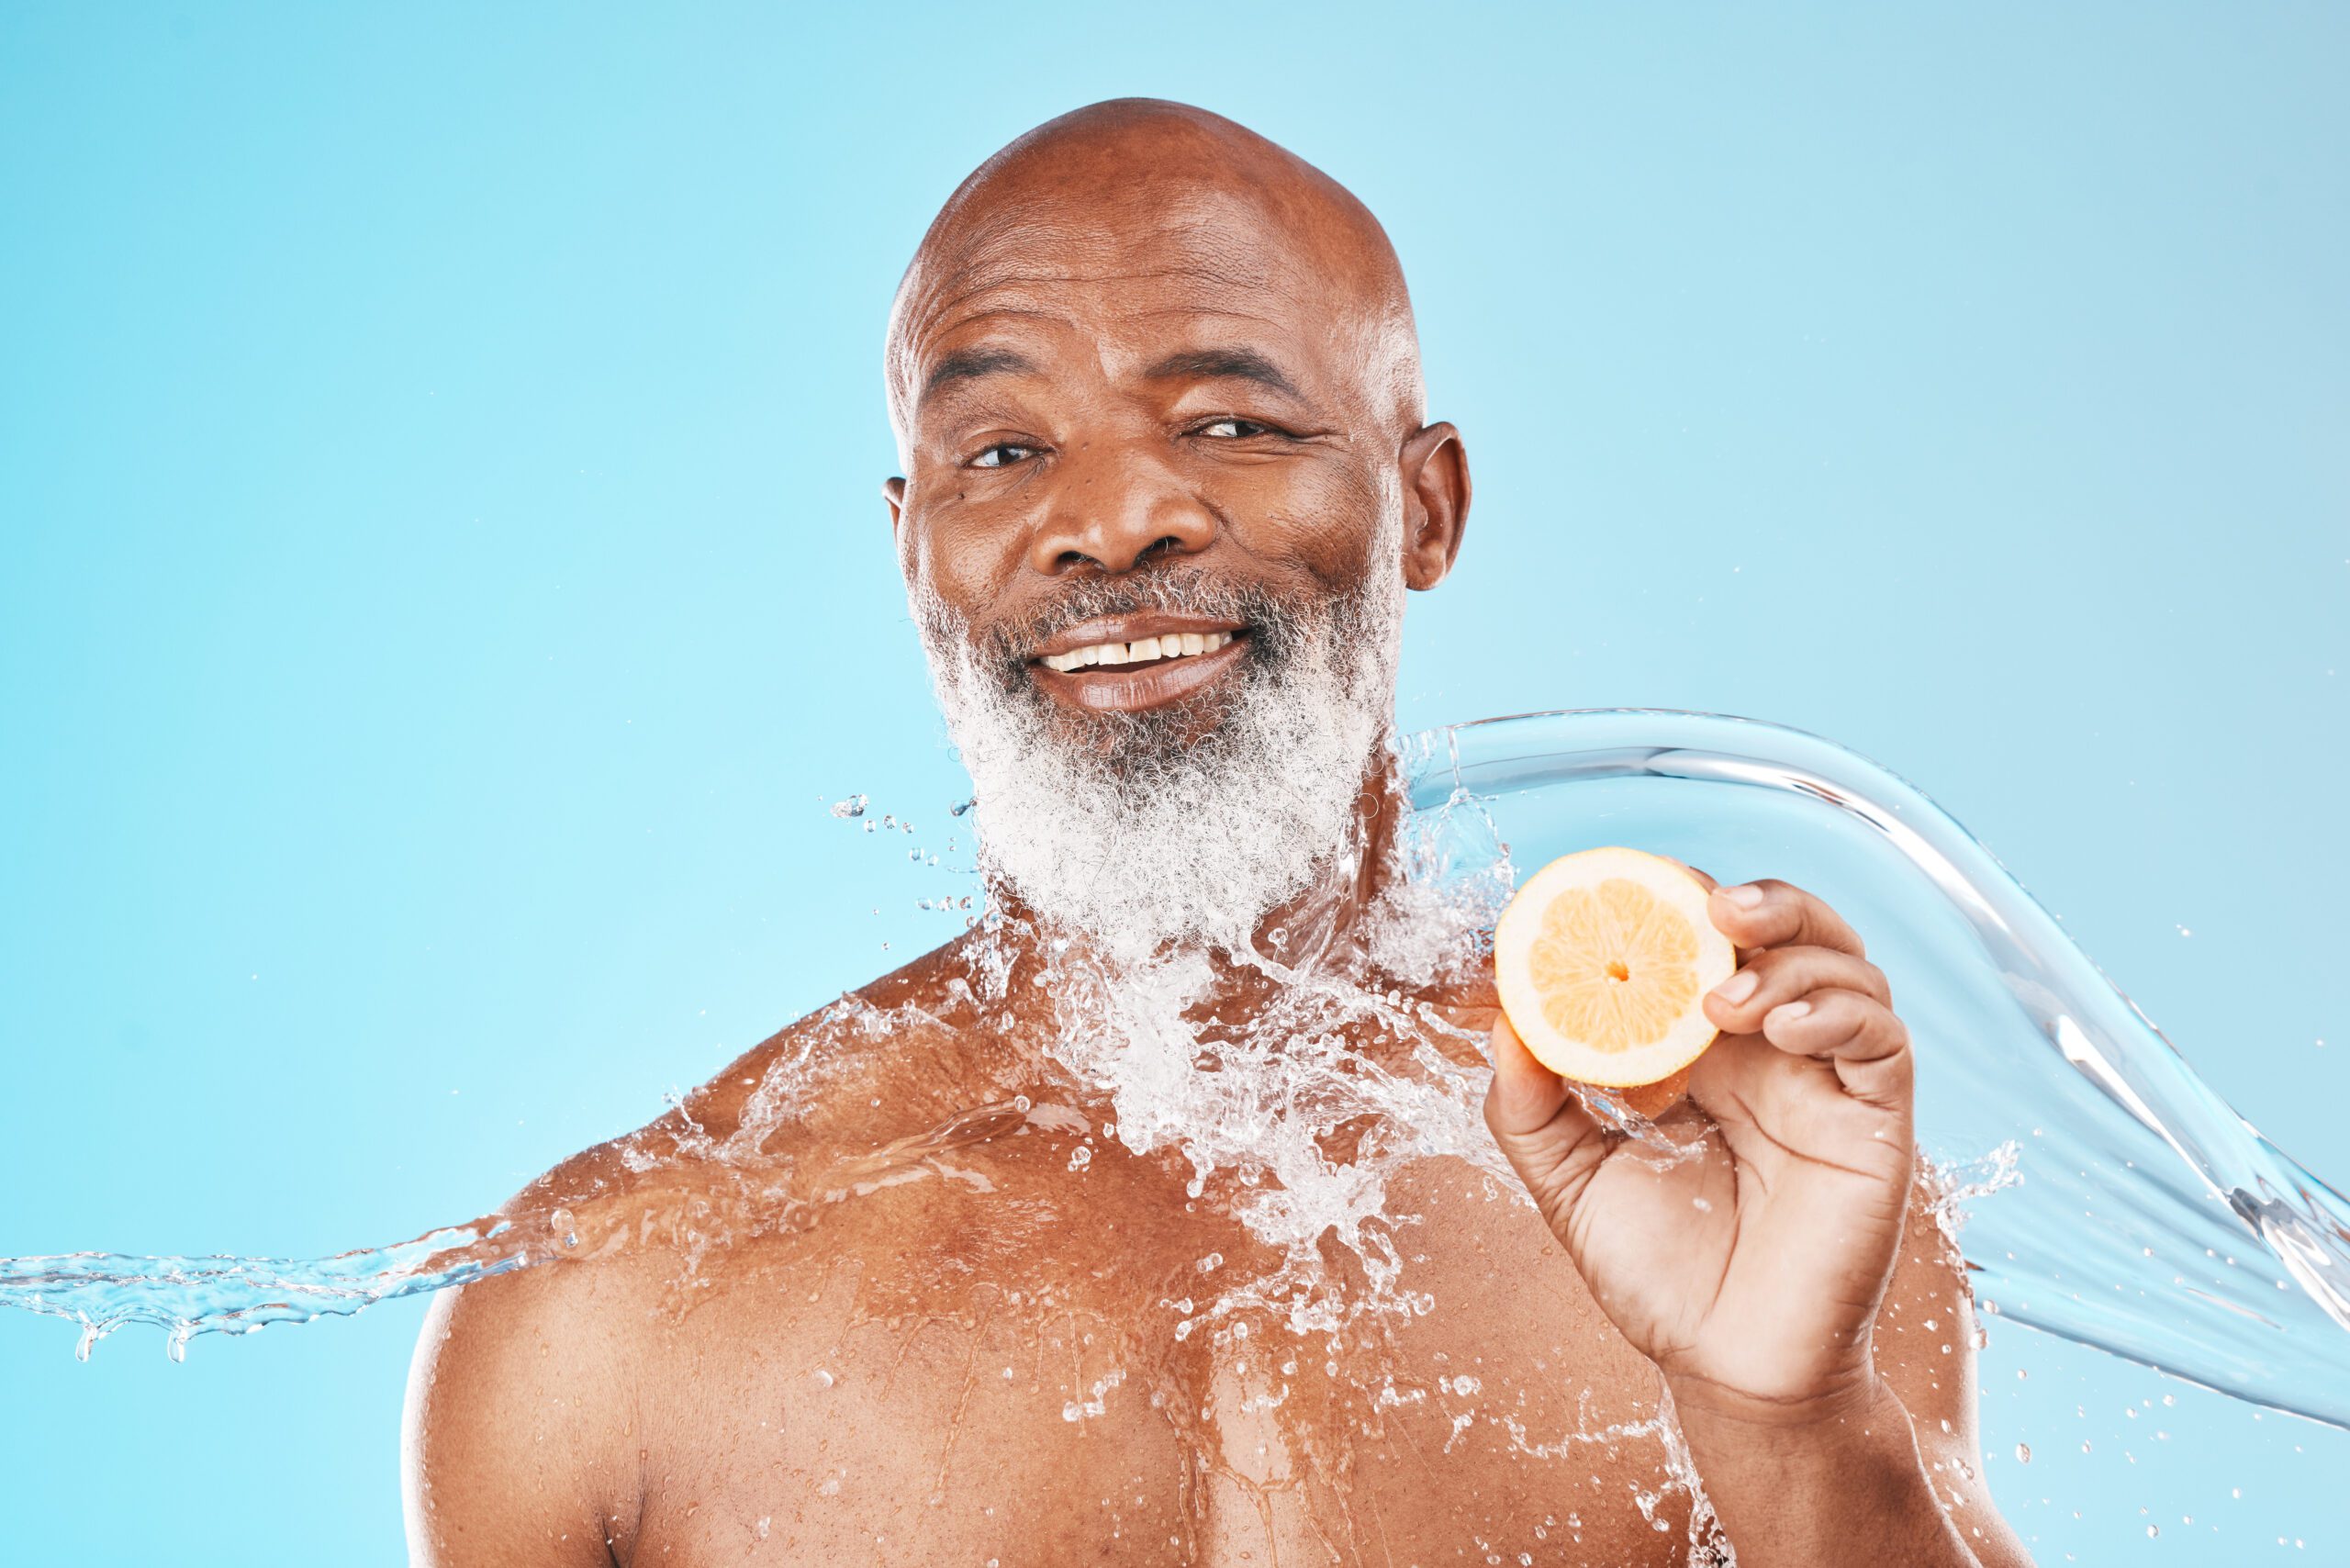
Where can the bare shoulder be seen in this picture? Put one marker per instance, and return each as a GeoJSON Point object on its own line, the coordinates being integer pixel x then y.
{"type": "Point", "coordinates": [525, 1402]}
{"type": "Point", "coordinates": [506, 1455]}
{"type": "Point", "coordinates": [924, 1036]}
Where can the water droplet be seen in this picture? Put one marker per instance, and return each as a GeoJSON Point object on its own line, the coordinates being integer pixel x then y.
{"type": "Point", "coordinates": [854, 806]}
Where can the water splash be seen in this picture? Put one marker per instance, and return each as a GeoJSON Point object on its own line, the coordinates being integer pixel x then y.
{"type": "Point", "coordinates": [186, 1296]}
{"type": "Point", "coordinates": [2126, 1206]}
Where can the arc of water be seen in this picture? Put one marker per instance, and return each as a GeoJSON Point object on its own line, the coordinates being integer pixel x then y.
{"type": "Point", "coordinates": [2073, 1010]}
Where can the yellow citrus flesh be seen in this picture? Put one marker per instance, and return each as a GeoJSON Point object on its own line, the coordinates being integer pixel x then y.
{"type": "Point", "coordinates": [1603, 961]}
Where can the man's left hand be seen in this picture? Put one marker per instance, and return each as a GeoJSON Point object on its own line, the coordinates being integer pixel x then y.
{"type": "Point", "coordinates": [1749, 1271]}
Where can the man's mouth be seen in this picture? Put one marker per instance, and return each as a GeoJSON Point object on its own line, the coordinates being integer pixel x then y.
{"type": "Point", "coordinates": [1127, 663]}
{"type": "Point", "coordinates": [1141, 651]}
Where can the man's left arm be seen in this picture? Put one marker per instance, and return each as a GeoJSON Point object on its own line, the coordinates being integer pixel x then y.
{"type": "Point", "coordinates": [1783, 1271]}
{"type": "Point", "coordinates": [1895, 1478]}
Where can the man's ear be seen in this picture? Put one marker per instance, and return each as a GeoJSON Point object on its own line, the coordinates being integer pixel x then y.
{"type": "Point", "coordinates": [1435, 503]}
{"type": "Point", "coordinates": [893, 490]}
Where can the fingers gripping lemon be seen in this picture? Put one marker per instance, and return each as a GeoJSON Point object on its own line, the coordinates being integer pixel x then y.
{"type": "Point", "coordinates": [1603, 961]}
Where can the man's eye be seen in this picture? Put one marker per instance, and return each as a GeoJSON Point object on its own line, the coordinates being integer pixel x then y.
{"type": "Point", "coordinates": [1235, 430]}
{"type": "Point", "coordinates": [1001, 454]}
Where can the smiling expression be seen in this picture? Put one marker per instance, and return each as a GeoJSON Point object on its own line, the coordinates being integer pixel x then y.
{"type": "Point", "coordinates": [1141, 352]}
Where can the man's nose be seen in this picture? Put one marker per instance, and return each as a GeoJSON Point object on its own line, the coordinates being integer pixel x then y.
{"type": "Point", "coordinates": [1113, 511]}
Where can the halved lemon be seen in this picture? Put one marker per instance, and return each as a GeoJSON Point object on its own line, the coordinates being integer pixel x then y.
{"type": "Point", "coordinates": [1603, 961]}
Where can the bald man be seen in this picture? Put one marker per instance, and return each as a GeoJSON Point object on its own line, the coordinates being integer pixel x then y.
{"type": "Point", "coordinates": [1000, 1261]}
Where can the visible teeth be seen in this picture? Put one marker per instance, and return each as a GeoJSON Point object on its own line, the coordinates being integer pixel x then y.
{"type": "Point", "coordinates": [1174, 645]}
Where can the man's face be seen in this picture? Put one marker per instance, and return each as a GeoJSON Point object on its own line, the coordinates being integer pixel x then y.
{"type": "Point", "coordinates": [1162, 403]}
{"type": "Point", "coordinates": [1153, 529]}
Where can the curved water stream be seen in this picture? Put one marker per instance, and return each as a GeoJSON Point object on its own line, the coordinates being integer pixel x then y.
{"type": "Point", "coordinates": [2115, 1201]}
{"type": "Point", "coordinates": [2127, 1207]}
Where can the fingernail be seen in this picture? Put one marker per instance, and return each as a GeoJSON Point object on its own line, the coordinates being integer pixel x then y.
{"type": "Point", "coordinates": [1738, 988]}
{"type": "Point", "coordinates": [1787, 1012]}
{"type": "Point", "coordinates": [1746, 895]}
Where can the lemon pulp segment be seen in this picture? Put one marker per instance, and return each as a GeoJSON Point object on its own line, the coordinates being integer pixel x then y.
{"type": "Point", "coordinates": [1603, 960]}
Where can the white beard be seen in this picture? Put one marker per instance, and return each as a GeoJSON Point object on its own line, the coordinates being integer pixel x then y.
{"type": "Point", "coordinates": [1147, 841]}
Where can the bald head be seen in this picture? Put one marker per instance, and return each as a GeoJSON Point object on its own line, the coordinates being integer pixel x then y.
{"type": "Point", "coordinates": [1139, 188]}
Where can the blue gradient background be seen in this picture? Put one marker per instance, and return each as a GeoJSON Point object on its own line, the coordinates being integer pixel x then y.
{"type": "Point", "coordinates": [441, 570]}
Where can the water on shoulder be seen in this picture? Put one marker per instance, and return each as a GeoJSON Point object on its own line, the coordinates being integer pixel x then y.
{"type": "Point", "coordinates": [1122, 1266]}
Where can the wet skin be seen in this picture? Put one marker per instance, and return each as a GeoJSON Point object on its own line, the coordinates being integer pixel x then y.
{"type": "Point", "coordinates": [1140, 341]}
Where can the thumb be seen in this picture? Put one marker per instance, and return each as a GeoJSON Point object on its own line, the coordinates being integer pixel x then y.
{"type": "Point", "coordinates": [1549, 1139]}
{"type": "Point", "coordinates": [1526, 1096]}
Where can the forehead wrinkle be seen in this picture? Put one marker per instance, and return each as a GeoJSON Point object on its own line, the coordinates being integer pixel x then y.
{"type": "Point", "coordinates": [997, 253]}
{"type": "Point", "coordinates": [1012, 264]}
{"type": "Point", "coordinates": [1202, 310]}
{"type": "Point", "coordinates": [928, 316]}
{"type": "Point", "coordinates": [941, 324]}
{"type": "Point", "coordinates": [921, 338]}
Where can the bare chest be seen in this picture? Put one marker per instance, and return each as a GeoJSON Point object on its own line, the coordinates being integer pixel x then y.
{"type": "Point", "coordinates": [1114, 1374]}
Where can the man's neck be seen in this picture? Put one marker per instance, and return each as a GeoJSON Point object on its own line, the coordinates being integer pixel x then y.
{"type": "Point", "coordinates": [1322, 926]}
{"type": "Point", "coordinates": [1327, 921]}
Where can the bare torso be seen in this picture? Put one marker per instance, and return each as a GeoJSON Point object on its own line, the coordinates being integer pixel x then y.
{"type": "Point", "coordinates": [933, 1313]}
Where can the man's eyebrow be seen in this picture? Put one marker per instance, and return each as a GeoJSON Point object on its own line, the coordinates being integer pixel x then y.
{"type": "Point", "coordinates": [969, 365]}
{"type": "Point", "coordinates": [1214, 365]}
